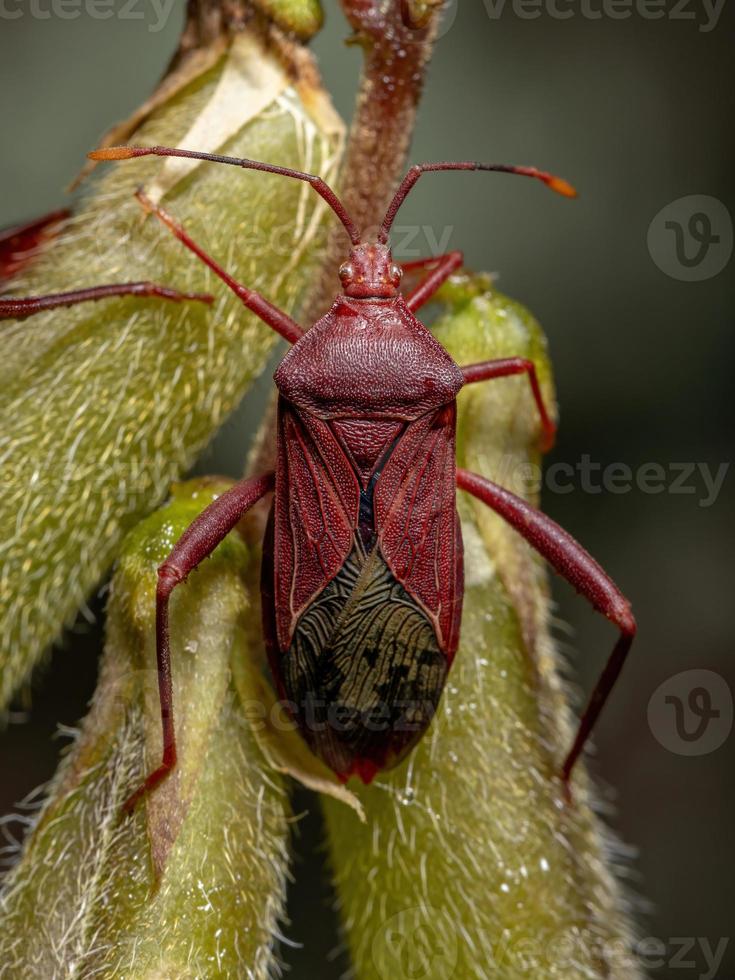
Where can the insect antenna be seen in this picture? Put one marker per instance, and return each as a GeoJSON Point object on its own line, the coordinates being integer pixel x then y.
{"type": "Point", "coordinates": [320, 186]}
{"type": "Point", "coordinates": [555, 183]}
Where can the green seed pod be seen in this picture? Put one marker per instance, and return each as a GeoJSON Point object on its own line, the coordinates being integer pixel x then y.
{"type": "Point", "coordinates": [300, 17]}
{"type": "Point", "coordinates": [192, 885]}
{"type": "Point", "coordinates": [469, 863]}
{"type": "Point", "coordinates": [105, 404]}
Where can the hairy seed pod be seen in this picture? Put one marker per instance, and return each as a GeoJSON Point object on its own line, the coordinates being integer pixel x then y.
{"type": "Point", "coordinates": [469, 864]}
{"type": "Point", "coordinates": [104, 404]}
{"type": "Point", "coordinates": [193, 885]}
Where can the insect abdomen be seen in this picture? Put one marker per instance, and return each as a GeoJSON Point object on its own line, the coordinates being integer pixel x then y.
{"type": "Point", "coordinates": [364, 672]}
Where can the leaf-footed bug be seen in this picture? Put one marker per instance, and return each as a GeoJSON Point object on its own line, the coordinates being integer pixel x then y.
{"type": "Point", "coordinates": [362, 576]}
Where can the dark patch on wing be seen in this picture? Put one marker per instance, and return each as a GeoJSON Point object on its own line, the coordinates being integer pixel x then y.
{"type": "Point", "coordinates": [364, 672]}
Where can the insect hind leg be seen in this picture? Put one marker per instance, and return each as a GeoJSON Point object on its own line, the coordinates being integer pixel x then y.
{"type": "Point", "coordinates": [573, 563]}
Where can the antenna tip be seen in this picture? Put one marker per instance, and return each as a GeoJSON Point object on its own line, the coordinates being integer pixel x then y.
{"type": "Point", "coordinates": [115, 153]}
{"type": "Point", "coordinates": [561, 186]}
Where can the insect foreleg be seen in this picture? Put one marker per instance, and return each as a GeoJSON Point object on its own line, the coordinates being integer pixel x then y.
{"type": "Point", "coordinates": [503, 368]}
{"type": "Point", "coordinates": [276, 319]}
{"type": "Point", "coordinates": [18, 309]}
{"type": "Point", "coordinates": [322, 189]}
{"type": "Point", "coordinates": [443, 267]}
{"type": "Point", "coordinates": [195, 544]}
{"type": "Point", "coordinates": [573, 563]}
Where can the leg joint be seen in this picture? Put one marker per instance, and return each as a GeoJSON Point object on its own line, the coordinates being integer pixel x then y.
{"type": "Point", "coordinates": [169, 576]}
{"type": "Point", "coordinates": [627, 623]}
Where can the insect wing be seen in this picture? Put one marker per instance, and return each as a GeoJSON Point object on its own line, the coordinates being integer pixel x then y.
{"type": "Point", "coordinates": [316, 511]}
{"type": "Point", "coordinates": [416, 517]}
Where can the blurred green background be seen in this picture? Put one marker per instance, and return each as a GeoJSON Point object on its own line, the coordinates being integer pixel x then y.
{"type": "Point", "coordinates": [638, 113]}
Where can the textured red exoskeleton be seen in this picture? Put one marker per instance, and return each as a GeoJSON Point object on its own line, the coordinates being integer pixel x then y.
{"type": "Point", "coordinates": [20, 244]}
{"type": "Point", "coordinates": [362, 577]}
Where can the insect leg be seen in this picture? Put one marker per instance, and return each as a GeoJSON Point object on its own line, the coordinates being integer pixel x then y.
{"type": "Point", "coordinates": [322, 189]}
{"type": "Point", "coordinates": [18, 309]}
{"type": "Point", "coordinates": [573, 563]}
{"type": "Point", "coordinates": [195, 544]}
{"type": "Point", "coordinates": [443, 267]}
{"type": "Point", "coordinates": [503, 368]}
{"type": "Point", "coordinates": [276, 319]}
{"type": "Point", "coordinates": [20, 244]}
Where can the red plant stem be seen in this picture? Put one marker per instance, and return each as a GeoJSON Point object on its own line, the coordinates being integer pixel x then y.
{"type": "Point", "coordinates": [396, 55]}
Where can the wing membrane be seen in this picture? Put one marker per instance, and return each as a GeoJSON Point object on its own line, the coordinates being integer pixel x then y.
{"type": "Point", "coordinates": [315, 511]}
{"type": "Point", "coordinates": [416, 518]}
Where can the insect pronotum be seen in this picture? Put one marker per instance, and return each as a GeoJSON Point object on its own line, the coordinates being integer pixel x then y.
{"type": "Point", "coordinates": [362, 576]}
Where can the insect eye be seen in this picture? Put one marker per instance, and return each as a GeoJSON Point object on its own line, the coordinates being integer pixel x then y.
{"type": "Point", "coordinates": [395, 272]}
{"type": "Point", "coordinates": [346, 271]}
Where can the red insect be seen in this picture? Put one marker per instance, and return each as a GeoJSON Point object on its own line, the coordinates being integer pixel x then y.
{"type": "Point", "coordinates": [20, 245]}
{"type": "Point", "coordinates": [362, 577]}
